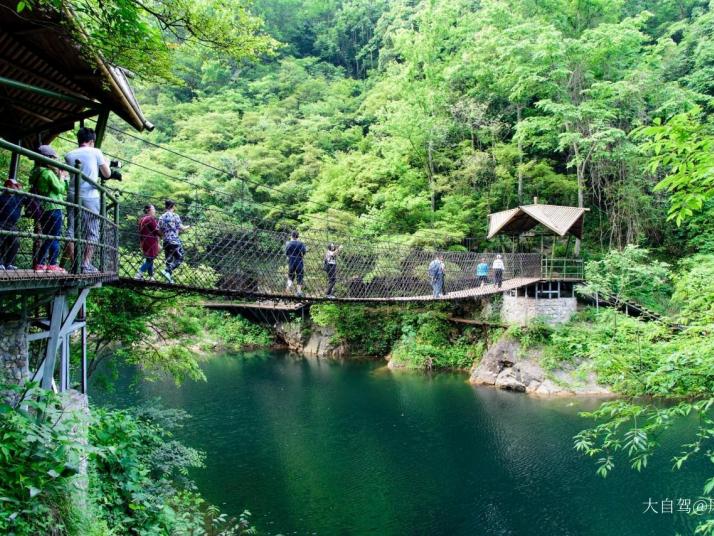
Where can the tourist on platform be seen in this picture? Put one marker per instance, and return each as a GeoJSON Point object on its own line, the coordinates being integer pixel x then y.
{"type": "Point", "coordinates": [437, 272]}
{"type": "Point", "coordinates": [330, 266]}
{"type": "Point", "coordinates": [51, 183]}
{"type": "Point", "coordinates": [170, 226]}
{"type": "Point", "coordinates": [498, 271]}
{"type": "Point", "coordinates": [482, 273]}
{"type": "Point", "coordinates": [295, 251]}
{"type": "Point", "coordinates": [149, 234]}
{"type": "Point", "coordinates": [91, 163]}
{"type": "Point", "coordinates": [10, 211]}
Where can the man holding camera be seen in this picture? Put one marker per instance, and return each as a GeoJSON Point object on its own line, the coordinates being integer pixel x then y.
{"type": "Point", "coordinates": [91, 163]}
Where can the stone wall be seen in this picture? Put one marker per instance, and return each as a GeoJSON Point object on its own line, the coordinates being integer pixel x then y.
{"type": "Point", "coordinates": [521, 310]}
{"type": "Point", "coordinates": [14, 367]}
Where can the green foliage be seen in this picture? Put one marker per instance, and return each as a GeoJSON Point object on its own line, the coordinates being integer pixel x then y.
{"type": "Point", "coordinates": [629, 275]}
{"type": "Point", "coordinates": [536, 333]}
{"type": "Point", "coordinates": [39, 457]}
{"type": "Point", "coordinates": [428, 342]}
{"type": "Point", "coordinates": [143, 37]}
{"type": "Point", "coordinates": [368, 330]}
{"type": "Point", "coordinates": [136, 478]}
{"type": "Point", "coordinates": [236, 332]}
{"type": "Point", "coordinates": [633, 431]}
{"type": "Point", "coordinates": [419, 118]}
{"type": "Point", "coordinates": [683, 147]}
{"type": "Point", "coordinates": [413, 338]}
{"type": "Point", "coordinates": [694, 291]}
{"type": "Point", "coordinates": [162, 334]}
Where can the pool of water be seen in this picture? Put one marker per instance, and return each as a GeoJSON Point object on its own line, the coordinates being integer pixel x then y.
{"type": "Point", "coordinates": [317, 447]}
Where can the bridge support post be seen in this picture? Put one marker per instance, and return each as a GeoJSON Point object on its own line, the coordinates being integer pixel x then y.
{"type": "Point", "coordinates": [58, 332]}
{"type": "Point", "coordinates": [14, 355]}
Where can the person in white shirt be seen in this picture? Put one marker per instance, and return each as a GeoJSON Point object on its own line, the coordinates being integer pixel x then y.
{"type": "Point", "coordinates": [498, 268]}
{"type": "Point", "coordinates": [91, 163]}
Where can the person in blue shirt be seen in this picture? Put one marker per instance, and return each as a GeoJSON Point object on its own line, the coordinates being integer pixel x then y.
{"type": "Point", "coordinates": [295, 251]}
{"type": "Point", "coordinates": [482, 273]}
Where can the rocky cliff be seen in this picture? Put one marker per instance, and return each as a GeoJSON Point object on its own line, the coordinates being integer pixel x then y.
{"type": "Point", "coordinates": [508, 366]}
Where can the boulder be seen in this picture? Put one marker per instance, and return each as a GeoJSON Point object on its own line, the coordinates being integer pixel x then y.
{"type": "Point", "coordinates": [501, 355]}
{"type": "Point", "coordinates": [549, 388]}
{"type": "Point", "coordinates": [509, 381]}
{"type": "Point", "coordinates": [321, 343]}
{"type": "Point", "coordinates": [528, 372]}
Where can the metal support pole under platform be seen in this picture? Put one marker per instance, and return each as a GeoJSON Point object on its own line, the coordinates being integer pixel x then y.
{"type": "Point", "coordinates": [61, 325]}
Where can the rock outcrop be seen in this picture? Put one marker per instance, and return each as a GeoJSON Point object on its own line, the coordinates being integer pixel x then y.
{"type": "Point", "coordinates": [506, 366]}
{"type": "Point", "coordinates": [316, 341]}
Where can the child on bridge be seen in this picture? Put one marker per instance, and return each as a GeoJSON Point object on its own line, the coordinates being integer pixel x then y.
{"type": "Point", "coordinates": [482, 273]}
{"type": "Point", "coordinates": [149, 234]}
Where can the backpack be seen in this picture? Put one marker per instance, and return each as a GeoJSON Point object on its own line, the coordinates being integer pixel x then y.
{"type": "Point", "coordinates": [325, 264]}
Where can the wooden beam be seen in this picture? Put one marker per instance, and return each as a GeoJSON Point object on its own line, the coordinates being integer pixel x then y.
{"type": "Point", "coordinates": [34, 74]}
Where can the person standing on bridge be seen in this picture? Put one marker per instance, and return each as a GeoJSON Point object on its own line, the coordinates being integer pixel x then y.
{"type": "Point", "coordinates": [149, 234]}
{"type": "Point", "coordinates": [437, 271]}
{"type": "Point", "coordinates": [330, 266]}
{"type": "Point", "coordinates": [10, 211]}
{"type": "Point", "coordinates": [482, 273]}
{"type": "Point", "coordinates": [295, 251]}
{"type": "Point", "coordinates": [498, 270]}
{"type": "Point", "coordinates": [51, 183]}
{"type": "Point", "coordinates": [171, 226]}
{"type": "Point", "coordinates": [91, 163]}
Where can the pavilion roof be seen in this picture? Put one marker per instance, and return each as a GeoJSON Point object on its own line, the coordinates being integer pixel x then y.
{"type": "Point", "coordinates": [561, 220]}
{"type": "Point", "coordinates": [37, 48]}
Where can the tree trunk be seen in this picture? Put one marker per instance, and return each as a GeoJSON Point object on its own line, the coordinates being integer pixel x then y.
{"type": "Point", "coordinates": [430, 170]}
{"type": "Point", "coordinates": [520, 158]}
{"type": "Point", "coordinates": [581, 201]}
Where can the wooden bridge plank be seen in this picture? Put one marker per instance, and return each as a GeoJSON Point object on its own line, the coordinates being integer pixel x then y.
{"type": "Point", "coordinates": [485, 290]}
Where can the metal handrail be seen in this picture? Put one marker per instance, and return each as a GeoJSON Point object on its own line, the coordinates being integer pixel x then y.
{"type": "Point", "coordinates": [105, 248]}
{"type": "Point", "coordinates": [564, 266]}
{"type": "Point", "coordinates": [37, 157]}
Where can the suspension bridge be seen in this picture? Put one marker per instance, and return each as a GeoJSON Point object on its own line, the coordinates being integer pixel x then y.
{"type": "Point", "coordinates": [46, 89]}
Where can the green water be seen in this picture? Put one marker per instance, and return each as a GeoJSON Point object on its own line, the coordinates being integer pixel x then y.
{"type": "Point", "coordinates": [313, 447]}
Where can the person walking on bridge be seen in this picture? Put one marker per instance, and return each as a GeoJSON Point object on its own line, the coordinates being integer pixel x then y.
{"type": "Point", "coordinates": [295, 251]}
{"type": "Point", "coordinates": [498, 270]}
{"type": "Point", "coordinates": [437, 272]}
{"type": "Point", "coordinates": [171, 226]}
{"type": "Point", "coordinates": [149, 234]}
{"type": "Point", "coordinates": [481, 273]}
{"type": "Point", "coordinates": [330, 266]}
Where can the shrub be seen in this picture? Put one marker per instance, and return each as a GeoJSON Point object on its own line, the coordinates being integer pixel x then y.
{"type": "Point", "coordinates": [137, 473]}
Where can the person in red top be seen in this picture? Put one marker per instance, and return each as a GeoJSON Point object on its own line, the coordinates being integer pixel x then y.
{"type": "Point", "coordinates": [149, 234]}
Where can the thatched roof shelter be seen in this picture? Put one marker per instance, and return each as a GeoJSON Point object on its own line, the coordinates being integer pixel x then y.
{"type": "Point", "coordinates": [561, 220]}
{"type": "Point", "coordinates": [47, 83]}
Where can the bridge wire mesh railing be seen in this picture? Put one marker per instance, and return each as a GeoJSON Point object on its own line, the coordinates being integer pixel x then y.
{"type": "Point", "coordinates": [242, 255]}
{"type": "Point", "coordinates": [24, 214]}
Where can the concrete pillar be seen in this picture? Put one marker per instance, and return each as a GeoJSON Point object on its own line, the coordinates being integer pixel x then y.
{"type": "Point", "coordinates": [521, 310]}
{"type": "Point", "coordinates": [14, 360]}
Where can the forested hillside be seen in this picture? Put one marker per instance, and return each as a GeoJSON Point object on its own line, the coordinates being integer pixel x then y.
{"type": "Point", "coordinates": [419, 118]}
{"type": "Point", "coordinates": [393, 120]}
